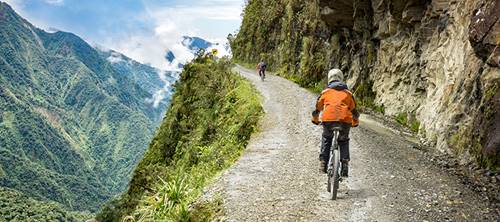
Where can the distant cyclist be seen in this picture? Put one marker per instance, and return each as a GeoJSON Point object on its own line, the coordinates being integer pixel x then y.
{"type": "Point", "coordinates": [339, 109]}
{"type": "Point", "coordinates": [262, 66]}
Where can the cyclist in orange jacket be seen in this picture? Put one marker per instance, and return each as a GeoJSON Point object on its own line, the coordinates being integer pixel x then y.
{"type": "Point", "coordinates": [339, 109]}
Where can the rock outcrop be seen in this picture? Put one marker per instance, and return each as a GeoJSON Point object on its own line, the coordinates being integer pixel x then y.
{"type": "Point", "coordinates": [436, 63]}
{"type": "Point", "coordinates": [484, 32]}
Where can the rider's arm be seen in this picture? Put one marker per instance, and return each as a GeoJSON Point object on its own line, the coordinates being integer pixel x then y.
{"type": "Point", "coordinates": [352, 106]}
{"type": "Point", "coordinates": [320, 103]}
{"type": "Point", "coordinates": [319, 108]}
{"type": "Point", "coordinates": [354, 111]}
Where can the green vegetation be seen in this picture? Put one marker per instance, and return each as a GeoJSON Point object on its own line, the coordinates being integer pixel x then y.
{"type": "Point", "coordinates": [297, 44]}
{"type": "Point", "coordinates": [18, 207]}
{"type": "Point", "coordinates": [409, 121]}
{"type": "Point", "coordinates": [284, 37]}
{"type": "Point", "coordinates": [72, 126]}
{"type": "Point", "coordinates": [380, 109]}
{"type": "Point", "coordinates": [475, 139]}
{"type": "Point", "coordinates": [212, 115]}
{"type": "Point", "coordinates": [366, 97]}
{"type": "Point", "coordinates": [402, 118]}
{"type": "Point", "coordinates": [414, 126]}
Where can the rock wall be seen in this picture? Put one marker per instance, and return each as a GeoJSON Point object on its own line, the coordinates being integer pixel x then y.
{"type": "Point", "coordinates": [436, 63]}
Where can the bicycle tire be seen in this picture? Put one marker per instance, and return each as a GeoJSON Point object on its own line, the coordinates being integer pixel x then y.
{"type": "Point", "coordinates": [333, 168]}
{"type": "Point", "coordinates": [328, 186]}
{"type": "Point", "coordinates": [329, 173]}
{"type": "Point", "coordinates": [335, 179]}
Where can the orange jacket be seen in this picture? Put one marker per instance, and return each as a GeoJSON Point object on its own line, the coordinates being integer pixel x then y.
{"type": "Point", "coordinates": [338, 106]}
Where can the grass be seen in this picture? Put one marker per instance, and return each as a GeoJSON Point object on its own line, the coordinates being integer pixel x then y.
{"type": "Point", "coordinates": [415, 126]}
{"type": "Point", "coordinates": [408, 121]}
{"type": "Point", "coordinates": [379, 109]}
{"type": "Point", "coordinates": [401, 118]}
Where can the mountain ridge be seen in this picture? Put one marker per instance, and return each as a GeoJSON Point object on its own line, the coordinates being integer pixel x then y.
{"type": "Point", "coordinates": [72, 124]}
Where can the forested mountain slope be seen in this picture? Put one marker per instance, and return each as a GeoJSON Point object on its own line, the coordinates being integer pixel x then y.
{"type": "Point", "coordinates": [433, 65]}
{"type": "Point", "coordinates": [21, 207]}
{"type": "Point", "coordinates": [72, 126]}
{"type": "Point", "coordinates": [156, 82]}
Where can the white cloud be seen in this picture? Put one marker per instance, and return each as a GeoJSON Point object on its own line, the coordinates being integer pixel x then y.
{"type": "Point", "coordinates": [55, 2]}
{"type": "Point", "coordinates": [171, 24]}
{"type": "Point", "coordinates": [115, 58]}
{"type": "Point", "coordinates": [161, 94]}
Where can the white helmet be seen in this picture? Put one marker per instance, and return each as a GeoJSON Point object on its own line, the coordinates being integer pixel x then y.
{"type": "Point", "coordinates": [335, 75]}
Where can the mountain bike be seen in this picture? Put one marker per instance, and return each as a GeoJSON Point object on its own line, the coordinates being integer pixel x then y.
{"type": "Point", "coordinates": [262, 75]}
{"type": "Point", "coordinates": [333, 170]}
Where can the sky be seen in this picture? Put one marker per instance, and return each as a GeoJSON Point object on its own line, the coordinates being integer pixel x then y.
{"type": "Point", "coordinates": [140, 29]}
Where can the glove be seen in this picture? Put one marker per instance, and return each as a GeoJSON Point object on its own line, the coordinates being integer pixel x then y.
{"type": "Point", "coordinates": [315, 117]}
{"type": "Point", "coordinates": [355, 122]}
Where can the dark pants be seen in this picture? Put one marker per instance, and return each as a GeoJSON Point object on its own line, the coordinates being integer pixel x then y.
{"type": "Point", "coordinates": [262, 72]}
{"type": "Point", "coordinates": [327, 138]}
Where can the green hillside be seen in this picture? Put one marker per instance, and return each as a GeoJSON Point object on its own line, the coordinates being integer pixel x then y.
{"type": "Point", "coordinates": [289, 35]}
{"type": "Point", "coordinates": [72, 127]}
{"type": "Point", "coordinates": [212, 115]}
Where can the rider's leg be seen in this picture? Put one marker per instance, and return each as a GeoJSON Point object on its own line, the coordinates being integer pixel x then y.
{"type": "Point", "coordinates": [326, 144]}
{"type": "Point", "coordinates": [344, 149]}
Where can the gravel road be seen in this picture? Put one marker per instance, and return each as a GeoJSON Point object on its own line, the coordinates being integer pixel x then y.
{"type": "Point", "coordinates": [277, 177]}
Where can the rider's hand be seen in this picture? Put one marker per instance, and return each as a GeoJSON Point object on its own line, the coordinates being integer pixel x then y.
{"type": "Point", "coordinates": [315, 117]}
{"type": "Point", "coordinates": [355, 122]}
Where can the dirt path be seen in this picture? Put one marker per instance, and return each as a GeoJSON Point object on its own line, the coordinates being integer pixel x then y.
{"type": "Point", "coordinates": [277, 177]}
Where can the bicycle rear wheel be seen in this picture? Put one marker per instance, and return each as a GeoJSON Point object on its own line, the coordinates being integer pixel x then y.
{"type": "Point", "coordinates": [335, 176]}
{"type": "Point", "coordinates": [329, 173]}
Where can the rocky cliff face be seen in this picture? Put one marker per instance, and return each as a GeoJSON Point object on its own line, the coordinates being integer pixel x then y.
{"type": "Point", "coordinates": [433, 64]}
{"type": "Point", "coordinates": [436, 62]}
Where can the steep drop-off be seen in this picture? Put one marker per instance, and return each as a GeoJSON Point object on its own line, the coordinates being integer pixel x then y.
{"type": "Point", "coordinates": [433, 65]}
{"type": "Point", "coordinates": [211, 117]}
{"type": "Point", "coordinates": [72, 126]}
